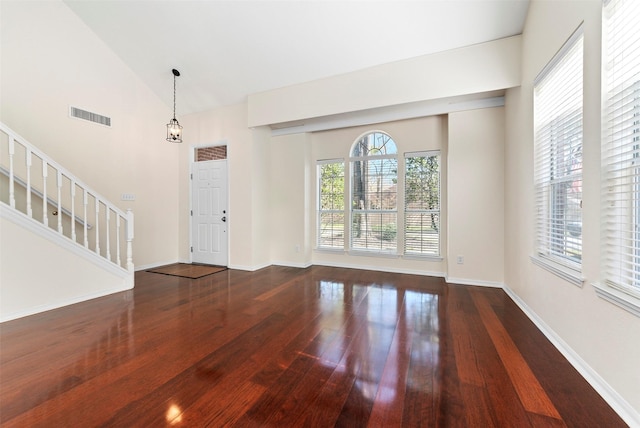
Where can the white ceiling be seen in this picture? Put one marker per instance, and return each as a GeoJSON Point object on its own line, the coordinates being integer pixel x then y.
{"type": "Point", "coordinates": [226, 50]}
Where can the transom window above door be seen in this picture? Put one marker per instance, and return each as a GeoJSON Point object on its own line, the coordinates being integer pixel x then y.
{"type": "Point", "coordinates": [211, 153]}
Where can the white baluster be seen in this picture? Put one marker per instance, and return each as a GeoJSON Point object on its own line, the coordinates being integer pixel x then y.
{"type": "Point", "coordinates": [129, 240]}
{"type": "Point", "coordinates": [97, 225]}
{"type": "Point", "coordinates": [45, 205]}
{"type": "Point", "coordinates": [118, 240]}
{"type": "Point", "coordinates": [32, 187]}
{"type": "Point", "coordinates": [28, 161]}
{"type": "Point", "coordinates": [73, 210]}
{"type": "Point", "coordinates": [59, 183]}
{"type": "Point", "coordinates": [85, 202]}
{"type": "Point", "coordinates": [107, 234]}
{"type": "Point", "coordinates": [12, 191]}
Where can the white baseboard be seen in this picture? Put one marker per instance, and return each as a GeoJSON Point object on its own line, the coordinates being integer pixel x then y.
{"type": "Point", "coordinates": [380, 269]}
{"type": "Point", "coordinates": [249, 268]}
{"type": "Point", "coordinates": [610, 395]}
{"type": "Point", "coordinates": [155, 265]}
{"type": "Point", "coordinates": [126, 285]}
{"type": "Point", "coordinates": [57, 238]}
{"type": "Point", "coordinates": [294, 265]}
{"type": "Point", "coordinates": [476, 282]}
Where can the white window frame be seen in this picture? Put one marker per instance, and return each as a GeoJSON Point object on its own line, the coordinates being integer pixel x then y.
{"type": "Point", "coordinates": [424, 251]}
{"type": "Point", "coordinates": [558, 104]}
{"type": "Point", "coordinates": [620, 172]}
{"type": "Point", "coordinates": [320, 211]}
{"type": "Point", "coordinates": [367, 211]}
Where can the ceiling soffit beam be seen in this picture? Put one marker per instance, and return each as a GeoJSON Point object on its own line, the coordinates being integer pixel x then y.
{"type": "Point", "coordinates": [473, 69]}
{"type": "Point", "coordinates": [388, 114]}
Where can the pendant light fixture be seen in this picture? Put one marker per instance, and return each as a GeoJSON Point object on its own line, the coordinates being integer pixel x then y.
{"type": "Point", "coordinates": [174, 130]}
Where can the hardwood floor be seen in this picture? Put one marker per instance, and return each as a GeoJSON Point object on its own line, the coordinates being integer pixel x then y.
{"type": "Point", "coordinates": [286, 347]}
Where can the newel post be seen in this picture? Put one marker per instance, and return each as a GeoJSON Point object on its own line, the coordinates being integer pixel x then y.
{"type": "Point", "coordinates": [130, 240]}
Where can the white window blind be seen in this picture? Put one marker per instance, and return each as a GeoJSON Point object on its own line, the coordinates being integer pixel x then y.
{"type": "Point", "coordinates": [558, 156]}
{"type": "Point", "coordinates": [621, 145]}
{"type": "Point", "coordinates": [422, 204]}
{"type": "Point", "coordinates": [331, 204]}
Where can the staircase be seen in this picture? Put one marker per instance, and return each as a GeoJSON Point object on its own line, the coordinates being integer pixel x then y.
{"type": "Point", "coordinates": [52, 221]}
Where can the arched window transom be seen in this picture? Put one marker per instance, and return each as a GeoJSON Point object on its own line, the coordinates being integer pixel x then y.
{"type": "Point", "coordinates": [374, 144]}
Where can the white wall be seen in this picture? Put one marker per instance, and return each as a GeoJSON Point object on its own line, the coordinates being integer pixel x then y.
{"type": "Point", "coordinates": [475, 181]}
{"type": "Point", "coordinates": [272, 189]}
{"type": "Point", "coordinates": [474, 69]}
{"type": "Point", "coordinates": [25, 290]}
{"type": "Point", "coordinates": [289, 200]}
{"type": "Point", "coordinates": [51, 60]}
{"type": "Point", "coordinates": [261, 216]}
{"type": "Point", "coordinates": [601, 336]}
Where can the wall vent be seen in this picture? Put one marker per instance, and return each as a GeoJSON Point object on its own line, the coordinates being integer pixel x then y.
{"type": "Point", "coordinates": [91, 117]}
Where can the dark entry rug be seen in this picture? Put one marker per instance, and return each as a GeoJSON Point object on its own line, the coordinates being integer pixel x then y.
{"type": "Point", "coordinates": [186, 270]}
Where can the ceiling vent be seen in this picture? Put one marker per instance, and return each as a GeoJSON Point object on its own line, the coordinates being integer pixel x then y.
{"type": "Point", "coordinates": [91, 117]}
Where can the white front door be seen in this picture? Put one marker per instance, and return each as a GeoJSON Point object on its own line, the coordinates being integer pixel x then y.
{"type": "Point", "coordinates": [210, 213]}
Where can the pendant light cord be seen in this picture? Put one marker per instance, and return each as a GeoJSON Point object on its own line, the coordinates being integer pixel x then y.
{"type": "Point", "coordinates": [174, 97]}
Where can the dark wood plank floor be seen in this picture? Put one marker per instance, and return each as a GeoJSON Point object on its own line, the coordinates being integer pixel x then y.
{"type": "Point", "coordinates": [285, 347]}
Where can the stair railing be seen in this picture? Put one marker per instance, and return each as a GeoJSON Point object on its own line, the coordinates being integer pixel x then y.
{"type": "Point", "coordinates": [112, 227]}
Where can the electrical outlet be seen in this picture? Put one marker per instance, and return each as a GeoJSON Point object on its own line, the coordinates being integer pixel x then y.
{"type": "Point", "coordinates": [297, 248]}
{"type": "Point", "coordinates": [128, 197]}
{"type": "Point", "coordinates": [460, 260]}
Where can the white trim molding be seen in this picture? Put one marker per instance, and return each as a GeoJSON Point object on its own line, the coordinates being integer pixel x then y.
{"type": "Point", "coordinates": [338, 251]}
{"type": "Point", "coordinates": [569, 275]}
{"type": "Point", "coordinates": [474, 282]}
{"type": "Point", "coordinates": [292, 264]}
{"type": "Point", "coordinates": [249, 268]}
{"type": "Point", "coordinates": [379, 268]}
{"type": "Point", "coordinates": [123, 280]}
{"type": "Point", "coordinates": [423, 258]}
{"type": "Point", "coordinates": [618, 298]}
{"type": "Point", "coordinates": [386, 114]}
{"type": "Point", "coordinates": [62, 303]}
{"type": "Point", "coordinates": [40, 229]}
{"type": "Point", "coordinates": [610, 395]}
{"type": "Point", "coordinates": [157, 265]}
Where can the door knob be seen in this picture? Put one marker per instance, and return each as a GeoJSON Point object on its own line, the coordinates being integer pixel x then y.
{"type": "Point", "coordinates": [224, 219]}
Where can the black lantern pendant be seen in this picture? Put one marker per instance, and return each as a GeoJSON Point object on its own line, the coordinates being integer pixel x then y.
{"type": "Point", "coordinates": [174, 130]}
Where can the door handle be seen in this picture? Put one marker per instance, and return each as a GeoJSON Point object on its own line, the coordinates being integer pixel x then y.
{"type": "Point", "coordinates": [224, 219]}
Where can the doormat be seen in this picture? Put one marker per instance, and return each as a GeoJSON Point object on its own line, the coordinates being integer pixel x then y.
{"type": "Point", "coordinates": [186, 270]}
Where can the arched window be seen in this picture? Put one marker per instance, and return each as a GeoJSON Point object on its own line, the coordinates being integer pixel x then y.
{"type": "Point", "coordinates": [374, 180]}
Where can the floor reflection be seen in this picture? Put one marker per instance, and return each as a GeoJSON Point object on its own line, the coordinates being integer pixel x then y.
{"type": "Point", "coordinates": [90, 346]}
{"type": "Point", "coordinates": [389, 337]}
{"type": "Point", "coordinates": [278, 347]}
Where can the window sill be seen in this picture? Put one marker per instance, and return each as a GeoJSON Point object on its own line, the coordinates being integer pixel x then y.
{"type": "Point", "coordinates": [425, 257]}
{"type": "Point", "coordinates": [570, 275]}
{"type": "Point", "coordinates": [330, 250]}
{"type": "Point", "coordinates": [373, 254]}
{"type": "Point", "coordinates": [618, 298]}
